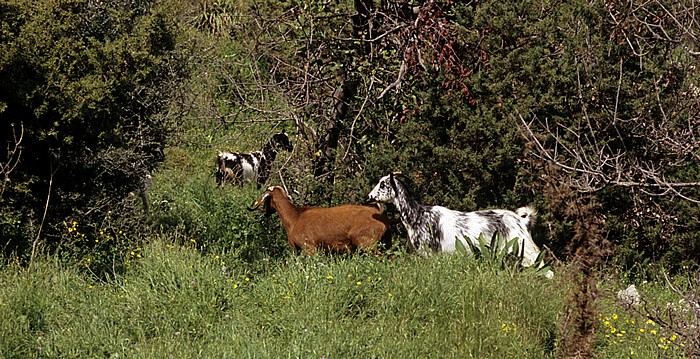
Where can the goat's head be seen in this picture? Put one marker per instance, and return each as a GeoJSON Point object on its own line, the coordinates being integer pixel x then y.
{"type": "Point", "coordinates": [266, 199]}
{"type": "Point", "coordinates": [386, 190]}
{"type": "Point", "coordinates": [225, 162]}
{"type": "Point", "coordinates": [220, 165]}
{"type": "Point", "coordinates": [281, 141]}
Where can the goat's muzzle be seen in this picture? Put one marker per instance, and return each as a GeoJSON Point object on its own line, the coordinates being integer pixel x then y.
{"type": "Point", "coordinates": [254, 206]}
{"type": "Point", "coordinates": [264, 200]}
{"type": "Point", "coordinates": [369, 201]}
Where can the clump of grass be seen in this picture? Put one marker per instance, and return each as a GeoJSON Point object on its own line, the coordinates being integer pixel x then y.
{"type": "Point", "coordinates": [192, 210]}
{"type": "Point", "coordinates": [502, 253]}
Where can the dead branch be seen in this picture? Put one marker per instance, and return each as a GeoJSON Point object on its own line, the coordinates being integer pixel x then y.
{"type": "Point", "coordinates": [592, 169]}
{"type": "Point", "coordinates": [14, 153]}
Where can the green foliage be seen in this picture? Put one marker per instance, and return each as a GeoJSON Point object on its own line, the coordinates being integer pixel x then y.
{"type": "Point", "coordinates": [89, 83]}
{"type": "Point", "coordinates": [217, 17]}
{"type": "Point", "coordinates": [559, 63]}
{"type": "Point", "coordinates": [176, 299]}
{"type": "Point", "coordinates": [500, 254]}
{"type": "Point", "coordinates": [93, 84]}
{"type": "Point", "coordinates": [663, 321]}
{"type": "Point", "coordinates": [568, 68]}
{"type": "Point", "coordinates": [192, 210]}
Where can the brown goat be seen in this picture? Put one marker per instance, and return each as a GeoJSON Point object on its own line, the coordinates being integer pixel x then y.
{"type": "Point", "coordinates": [337, 229]}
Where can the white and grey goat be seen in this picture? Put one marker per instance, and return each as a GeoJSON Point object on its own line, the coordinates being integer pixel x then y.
{"type": "Point", "coordinates": [436, 229]}
{"type": "Point", "coordinates": [253, 166]}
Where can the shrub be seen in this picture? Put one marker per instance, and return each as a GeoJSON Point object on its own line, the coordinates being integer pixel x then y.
{"type": "Point", "coordinates": [86, 82]}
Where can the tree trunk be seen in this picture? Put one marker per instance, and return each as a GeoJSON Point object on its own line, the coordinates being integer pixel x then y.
{"type": "Point", "coordinates": [343, 96]}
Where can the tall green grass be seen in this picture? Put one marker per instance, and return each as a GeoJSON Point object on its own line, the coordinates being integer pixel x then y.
{"type": "Point", "coordinates": [177, 301]}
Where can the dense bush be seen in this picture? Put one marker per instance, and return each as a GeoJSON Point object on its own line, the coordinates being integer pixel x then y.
{"type": "Point", "coordinates": [88, 83]}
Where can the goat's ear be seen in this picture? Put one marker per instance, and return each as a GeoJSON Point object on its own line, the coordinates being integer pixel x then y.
{"type": "Point", "coordinates": [269, 210]}
{"type": "Point", "coordinates": [393, 183]}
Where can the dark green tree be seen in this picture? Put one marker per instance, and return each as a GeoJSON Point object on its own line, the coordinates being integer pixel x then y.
{"type": "Point", "coordinates": [88, 82]}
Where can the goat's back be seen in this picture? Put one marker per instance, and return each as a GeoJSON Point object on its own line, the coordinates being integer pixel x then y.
{"type": "Point", "coordinates": [340, 228]}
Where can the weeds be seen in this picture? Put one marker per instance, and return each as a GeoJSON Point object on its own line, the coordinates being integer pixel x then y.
{"type": "Point", "coordinates": [501, 254]}
{"type": "Point", "coordinates": [670, 322]}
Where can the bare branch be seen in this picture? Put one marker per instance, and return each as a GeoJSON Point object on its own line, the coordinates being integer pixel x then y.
{"type": "Point", "coordinates": [396, 84]}
{"type": "Point", "coordinates": [14, 153]}
{"type": "Point", "coordinates": [594, 170]}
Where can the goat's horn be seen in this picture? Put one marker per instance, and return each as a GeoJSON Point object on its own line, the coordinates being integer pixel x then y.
{"type": "Point", "coordinates": [258, 201]}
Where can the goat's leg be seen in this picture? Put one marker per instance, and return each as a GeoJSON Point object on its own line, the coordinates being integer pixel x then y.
{"type": "Point", "coordinates": [144, 199]}
{"type": "Point", "coordinates": [367, 239]}
{"type": "Point", "coordinates": [294, 247]}
{"type": "Point", "coordinates": [309, 249]}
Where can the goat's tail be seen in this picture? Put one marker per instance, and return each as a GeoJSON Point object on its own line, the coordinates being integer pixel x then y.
{"type": "Point", "coordinates": [528, 215]}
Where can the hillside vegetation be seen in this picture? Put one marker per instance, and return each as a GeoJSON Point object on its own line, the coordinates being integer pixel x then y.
{"type": "Point", "coordinates": [588, 111]}
{"type": "Point", "coordinates": [178, 301]}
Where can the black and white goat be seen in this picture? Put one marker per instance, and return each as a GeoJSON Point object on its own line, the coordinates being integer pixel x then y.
{"type": "Point", "coordinates": [436, 229]}
{"type": "Point", "coordinates": [253, 166]}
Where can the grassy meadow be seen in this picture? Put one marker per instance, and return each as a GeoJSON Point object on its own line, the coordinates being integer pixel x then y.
{"type": "Point", "coordinates": [174, 301]}
{"type": "Point", "coordinates": [198, 275]}
{"type": "Point", "coordinates": [215, 280]}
